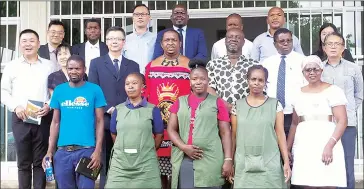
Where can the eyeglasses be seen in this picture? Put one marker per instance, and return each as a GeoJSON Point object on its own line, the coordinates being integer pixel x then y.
{"type": "Point", "coordinates": [282, 42]}
{"type": "Point", "coordinates": [52, 32]}
{"type": "Point", "coordinates": [115, 39]}
{"type": "Point", "coordinates": [333, 44]}
{"type": "Point", "coordinates": [180, 13]}
{"type": "Point", "coordinates": [309, 70]}
{"type": "Point", "coordinates": [140, 14]}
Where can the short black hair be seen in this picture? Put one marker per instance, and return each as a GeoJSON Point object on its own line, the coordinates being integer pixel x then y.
{"type": "Point", "coordinates": [62, 45]}
{"type": "Point", "coordinates": [139, 75]}
{"type": "Point", "coordinates": [93, 20]}
{"type": "Point", "coordinates": [76, 58]}
{"type": "Point", "coordinates": [334, 34]}
{"type": "Point", "coordinates": [197, 64]}
{"type": "Point", "coordinates": [172, 30]}
{"type": "Point", "coordinates": [280, 31]}
{"type": "Point", "coordinates": [235, 15]}
{"type": "Point", "coordinates": [116, 28]}
{"type": "Point", "coordinates": [29, 31]}
{"type": "Point", "coordinates": [55, 22]}
{"type": "Point", "coordinates": [141, 5]}
{"type": "Point", "coordinates": [258, 67]}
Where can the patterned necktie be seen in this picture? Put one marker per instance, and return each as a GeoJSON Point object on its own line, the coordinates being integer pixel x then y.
{"type": "Point", "coordinates": [116, 65]}
{"type": "Point", "coordinates": [180, 31]}
{"type": "Point", "coordinates": [281, 83]}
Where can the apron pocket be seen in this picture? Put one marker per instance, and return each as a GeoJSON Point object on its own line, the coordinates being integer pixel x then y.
{"type": "Point", "coordinates": [254, 164]}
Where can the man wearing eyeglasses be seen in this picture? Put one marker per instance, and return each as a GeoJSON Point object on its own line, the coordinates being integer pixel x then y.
{"type": "Point", "coordinates": [55, 35]}
{"type": "Point", "coordinates": [109, 72]}
{"type": "Point", "coordinates": [141, 41]}
{"type": "Point", "coordinates": [285, 75]}
{"type": "Point", "coordinates": [93, 47]}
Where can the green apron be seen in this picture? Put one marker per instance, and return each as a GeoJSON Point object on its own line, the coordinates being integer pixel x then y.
{"type": "Point", "coordinates": [207, 171]}
{"type": "Point", "coordinates": [257, 156]}
{"type": "Point", "coordinates": [134, 162]}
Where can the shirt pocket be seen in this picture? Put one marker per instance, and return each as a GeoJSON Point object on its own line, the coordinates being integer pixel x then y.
{"type": "Point", "coordinates": [348, 79]}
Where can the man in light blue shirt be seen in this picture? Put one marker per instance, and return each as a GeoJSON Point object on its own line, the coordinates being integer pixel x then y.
{"type": "Point", "coordinates": [263, 46]}
{"type": "Point", "coordinates": [139, 45]}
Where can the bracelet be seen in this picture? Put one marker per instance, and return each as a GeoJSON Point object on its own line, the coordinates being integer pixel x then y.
{"type": "Point", "coordinates": [228, 159]}
{"type": "Point", "coordinates": [333, 138]}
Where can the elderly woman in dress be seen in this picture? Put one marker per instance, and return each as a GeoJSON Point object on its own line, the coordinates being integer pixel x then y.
{"type": "Point", "coordinates": [319, 121]}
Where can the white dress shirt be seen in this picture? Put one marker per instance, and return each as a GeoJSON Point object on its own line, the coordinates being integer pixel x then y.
{"type": "Point", "coordinates": [22, 81]}
{"type": "Point", "coordinates": [294, 77]}
{"type": "Point", "coordinates": [184, 28]}
{"type": "Point", "coordinates": [91, 52]}
{"type": "Point", "coordinates": [219, 49]}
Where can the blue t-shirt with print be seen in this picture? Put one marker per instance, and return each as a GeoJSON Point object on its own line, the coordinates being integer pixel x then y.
{"type": "Point", "coordinates": [77, 108]}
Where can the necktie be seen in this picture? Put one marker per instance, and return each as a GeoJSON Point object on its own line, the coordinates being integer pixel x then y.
{"type": "Point", "coordinates": [116, 65]}
{"type": "Point", "coordinates": [281, 83]}
{"type": "Point", "coordinates": [180, 31]}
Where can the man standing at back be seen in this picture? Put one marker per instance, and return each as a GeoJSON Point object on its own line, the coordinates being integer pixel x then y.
{"type": "Point", "coordinates": [263, 43]}
{"type": "Point", "coordinates": [193, 40]}
{"type": "Point", "coordinates": [109, 72]}
{"type": "Point", "coordinates": [219, 48]}
{"type": "Point", "coordinates": [24, 79]}
{"type": "Point", "coordinates": [93, 47]}
{"type": "Point", "coordinates": [139, 45]}
{"type": "Point", "coordinates": [285, 74]}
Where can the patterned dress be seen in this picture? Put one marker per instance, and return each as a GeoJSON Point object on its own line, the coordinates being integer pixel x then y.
{"type": "Point", "coordinates": [163, 86]}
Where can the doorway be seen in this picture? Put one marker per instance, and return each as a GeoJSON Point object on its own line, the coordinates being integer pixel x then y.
{"type": "Point", "coordinates": [214, 28]}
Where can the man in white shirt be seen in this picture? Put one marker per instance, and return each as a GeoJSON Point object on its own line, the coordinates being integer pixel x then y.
{"type": "Point", "coordinates": [26, 79]}
{"type": "Point", "coordinates": [93, 47]}
{"type": "Point", "coordinates": [219, 48]}
{"type": "Point", "coordinates": [285, 75]}
{"type": "Point", "coordinates": [141, 41]}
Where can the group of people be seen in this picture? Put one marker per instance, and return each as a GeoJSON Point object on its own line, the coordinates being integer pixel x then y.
{"type": "Point", "coordinates": [152, 112]}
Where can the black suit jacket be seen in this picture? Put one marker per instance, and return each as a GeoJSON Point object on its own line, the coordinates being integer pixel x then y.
{"type": "Point", "coordinates": [43, 51]}
{"type": "Point", "coordinates": [102, 72]}
{"type": "Point", "coordinates": [79, 49]}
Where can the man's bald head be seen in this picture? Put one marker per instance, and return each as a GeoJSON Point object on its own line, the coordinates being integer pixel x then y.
{"type": "Point", "coordinates": [234, 21]}
{"type": "Point", "coordinates": [275, 18]}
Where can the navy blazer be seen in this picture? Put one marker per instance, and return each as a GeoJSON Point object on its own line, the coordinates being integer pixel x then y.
{"type": "Point", "coordinates": [102, 72]}
{"type": "Point", "coordinates": [43, 51]}
{"type": "Point", "coordinates": [79, 49]}
{"type": "Point", "coordinates": [195, 47]}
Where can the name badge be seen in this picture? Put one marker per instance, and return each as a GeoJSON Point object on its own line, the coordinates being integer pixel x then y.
{"type": "Point", "coordinates": [131, 151]}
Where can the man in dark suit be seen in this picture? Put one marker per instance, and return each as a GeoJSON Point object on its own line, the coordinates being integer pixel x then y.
{"type": "Point", "coordinates": [55, 35]}
{"type": "Point", "coordinates": [193, 39]}
{"type": "Point", "coordinates": [93, 47]}
{"type": "Point", "coordinates": [109, 72]}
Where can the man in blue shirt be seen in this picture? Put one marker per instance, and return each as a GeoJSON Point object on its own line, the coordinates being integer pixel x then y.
{"type": "Point", "coordinates": [78, 111]}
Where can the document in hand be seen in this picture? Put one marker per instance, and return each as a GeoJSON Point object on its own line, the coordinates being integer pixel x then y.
{"type": "Point", "coordinates": [31, 109]}
{"type": "Point", "coordinates": [87, 172]}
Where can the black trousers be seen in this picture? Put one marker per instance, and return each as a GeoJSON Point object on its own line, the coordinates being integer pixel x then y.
{"type": "Point", "coordinates": [287, 123]}
{"type": "Point", "coordinates": [31, 146]}
{"type": "Point", "coordinates": [106, 150]}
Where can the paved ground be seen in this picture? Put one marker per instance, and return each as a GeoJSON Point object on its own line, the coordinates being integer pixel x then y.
{"type": "Point", "coordinates": [14, 184]}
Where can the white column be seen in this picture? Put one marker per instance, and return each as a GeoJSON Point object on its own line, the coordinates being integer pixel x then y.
{"type": "Point", "coordinates": [34, 15]}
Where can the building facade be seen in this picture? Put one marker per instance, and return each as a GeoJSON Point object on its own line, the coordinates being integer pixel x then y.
{"type": "Point", "coordinates": [304, 19]}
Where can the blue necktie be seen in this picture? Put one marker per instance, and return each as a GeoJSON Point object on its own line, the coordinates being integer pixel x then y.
{"type": "Point", "coordinates": [281, 83]}
{"type": "Point", "coordinates": [116, 65]}
{"type": "Point", "coordinates": [180, 31]}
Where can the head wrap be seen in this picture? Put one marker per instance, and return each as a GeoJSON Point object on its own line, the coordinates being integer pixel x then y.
{"type": "Point", "coordinates": [312, 59]}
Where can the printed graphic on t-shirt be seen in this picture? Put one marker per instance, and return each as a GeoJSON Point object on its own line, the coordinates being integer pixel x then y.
{"type": "Point", "coordinates": [78, 103]}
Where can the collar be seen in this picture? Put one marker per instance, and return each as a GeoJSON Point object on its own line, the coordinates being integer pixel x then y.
{"type": "Point", "coordinates": [143, 103]}
{"type": "Point", "coordinates": [51, 49]}
{"type": "Point", "coordinates": [141, 35]}
{"type": "Point", "coordinates": [184, 28]}
{"type": "Point", "coordinates": [23, 60]}
{"type": "Point", "coordinates": [241, 57]}
{"type": "Point", "coordinates": [326, 62]}
{"type": "Point", "coordinates": [120, 57]}
{"type": "Point", "coordinates": [88, 44]}
{"type": "Point", "coordinates": [287, 55]}
{"type": "Point", "coordinates": [268, 34]}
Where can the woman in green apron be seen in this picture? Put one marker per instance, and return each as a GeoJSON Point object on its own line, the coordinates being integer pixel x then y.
{"type": "Point", "coordinates": [258, 137]}
{"type": "Point", "coordinates": [200, 131]}
{"type": "Point", "coordinates": [134, 162]}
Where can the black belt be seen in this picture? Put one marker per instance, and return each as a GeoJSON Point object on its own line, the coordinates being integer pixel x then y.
{"type": "Point", "coordinates": [72, 148]}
